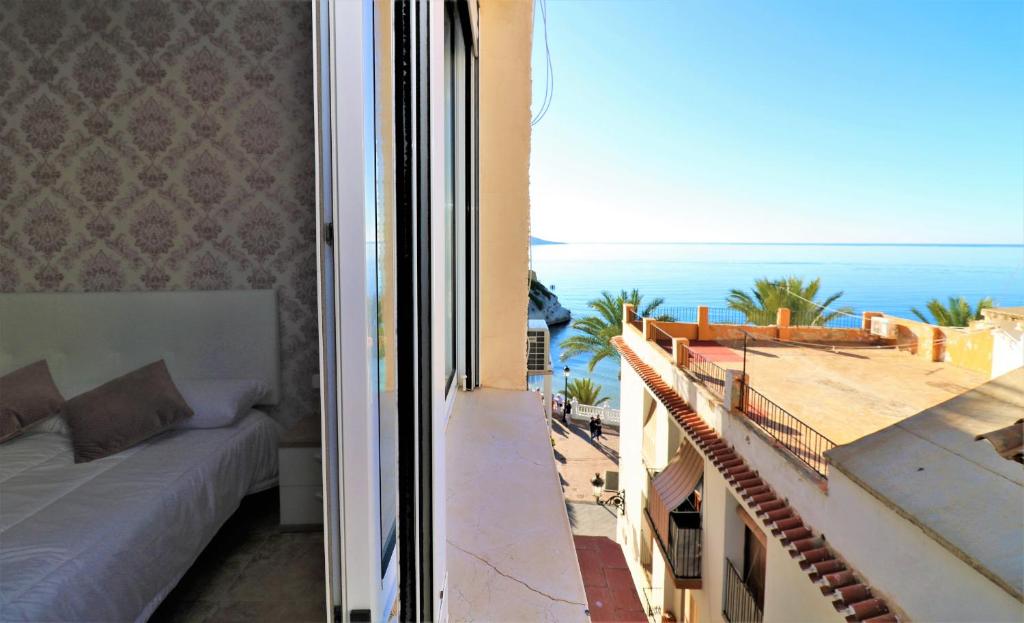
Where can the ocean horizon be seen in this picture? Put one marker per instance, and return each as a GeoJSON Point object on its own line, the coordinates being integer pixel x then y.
{"type": "Point", "coordinates": [885, 277]}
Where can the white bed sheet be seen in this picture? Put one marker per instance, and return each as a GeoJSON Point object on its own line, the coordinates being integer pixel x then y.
{"type": "Point", "coordinates": [107, 540]}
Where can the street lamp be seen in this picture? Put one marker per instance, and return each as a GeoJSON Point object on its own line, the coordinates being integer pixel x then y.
{"type": "Point", "coordinates": [598, 484]}
{"type": "Point", "coordinates": [565, 394]}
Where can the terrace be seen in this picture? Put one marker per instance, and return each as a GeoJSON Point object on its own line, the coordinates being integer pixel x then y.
{"type": "Point", "coordinates": [846, 394]}
{"type": "Point", "coordinates": [814, 387]}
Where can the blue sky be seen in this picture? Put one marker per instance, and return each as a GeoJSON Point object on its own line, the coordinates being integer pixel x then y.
{"type": "Point", "coordinates": [781, 122]}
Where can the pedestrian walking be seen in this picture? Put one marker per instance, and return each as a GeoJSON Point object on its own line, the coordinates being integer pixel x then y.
{"type": "Point", "coordinates": [566, 411]}
{"type": "Point", "coordinates": [598, 429]}
{"type": "Point", "coordinates": [593, 427]}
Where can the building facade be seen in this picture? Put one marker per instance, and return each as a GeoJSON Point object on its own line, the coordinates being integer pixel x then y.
{"type": "Point", "coordinates": [739, 508]}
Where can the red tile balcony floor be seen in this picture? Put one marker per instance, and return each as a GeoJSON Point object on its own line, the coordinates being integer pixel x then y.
{"type": "Point", "coordinates": [715, 352]}
{"type": "Point", "coordinates": [611, 594]}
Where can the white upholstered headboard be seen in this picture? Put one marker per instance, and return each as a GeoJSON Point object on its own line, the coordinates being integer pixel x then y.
{"type": "Point", "coordinates": [91, 338]}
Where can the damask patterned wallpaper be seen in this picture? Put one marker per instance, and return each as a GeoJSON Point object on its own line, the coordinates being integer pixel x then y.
{"type": "Point", "coordinates": [162, 145]}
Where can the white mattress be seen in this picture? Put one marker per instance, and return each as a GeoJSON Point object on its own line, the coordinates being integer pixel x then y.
{"type": "Point", "coordinates": [107, 540]}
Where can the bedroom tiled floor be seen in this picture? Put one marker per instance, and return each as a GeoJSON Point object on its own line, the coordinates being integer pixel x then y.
{"type": "Point", "coordinates": [252, 572]}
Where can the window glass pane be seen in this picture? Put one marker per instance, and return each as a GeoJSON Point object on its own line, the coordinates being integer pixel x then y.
{"type": "Point", "coordinates": [382, 262]}
{"type": "Point", "coordinates": [452, 156]}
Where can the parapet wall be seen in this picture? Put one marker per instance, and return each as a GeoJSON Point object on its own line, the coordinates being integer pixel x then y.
{"type": "Point", "coordinates": [968, 348]}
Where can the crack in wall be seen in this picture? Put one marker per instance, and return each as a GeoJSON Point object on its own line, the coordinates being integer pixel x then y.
{"type": "Point", "coordinates": [513, 578]}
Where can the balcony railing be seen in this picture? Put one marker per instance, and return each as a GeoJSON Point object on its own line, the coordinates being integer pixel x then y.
{"type": "Point", "coordinates": [684, 543]}
{"type": "Point", "coordinates": [685, 533]}
{"type": "Point", "coordinates": [609, 416]}
{"type": "Point", "coordinates": [727, 315]}
{"type": "Point", "coordinates": [738, 604]}
{"type": "Point", "coordinates": [706, 371]}
{"type": "Point", "coordinates": [804, 442]}
{"type": "Point", "coordinates": [662, 339]}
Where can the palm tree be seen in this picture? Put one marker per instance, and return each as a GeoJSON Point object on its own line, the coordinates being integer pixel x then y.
{"type": "Point", "coordinates": [596, 331]}
{"type": "Point", "coordinates": [768, 295]}
{"type": "Point", "coordinates": [957, 313]}
{"type": "Point", "coordinates": [586, 392]}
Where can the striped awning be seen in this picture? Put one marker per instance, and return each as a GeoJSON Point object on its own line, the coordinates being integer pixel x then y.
{"type": "Point", "coordinates": [673, 485]}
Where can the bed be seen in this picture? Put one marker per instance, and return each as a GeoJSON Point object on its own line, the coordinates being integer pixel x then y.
{"type": "Point", "coordinates": [107, 540]}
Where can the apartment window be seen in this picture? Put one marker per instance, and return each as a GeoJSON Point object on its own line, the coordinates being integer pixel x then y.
{"type": "Point", "coordinates": [754, 559]}
{"type": "Point", "coordinates": [459, 196]}
{"type": "Point", "coordinates": [381, 273]}
{"type": "Point", "coordinates": [449, 199]}
{"type": "Point", "coordinates": [745, 562]}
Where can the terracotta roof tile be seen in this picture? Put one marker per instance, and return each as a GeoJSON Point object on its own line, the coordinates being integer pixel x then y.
{"type": "Point", "coordinates": [864, 609]}
{"type": "Point", "coordinates": [832, 581]}
{"type": "Point", "coordinates": [852, 593]}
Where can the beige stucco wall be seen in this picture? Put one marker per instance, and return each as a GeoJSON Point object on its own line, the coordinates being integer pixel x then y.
{"type": "Point", "coordinates": [506, 31]}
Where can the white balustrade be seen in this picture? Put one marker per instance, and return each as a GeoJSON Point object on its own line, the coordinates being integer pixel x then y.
{"type": "Point", "coordinates": [583, 413]}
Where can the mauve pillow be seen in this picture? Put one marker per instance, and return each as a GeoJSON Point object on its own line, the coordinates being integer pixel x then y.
{"type": "Point", "coordinates": [27, 396]}
{"type": "Point", "coordinates": [219, 402]}
{"type": "Point", "coordinates": [119, 414]}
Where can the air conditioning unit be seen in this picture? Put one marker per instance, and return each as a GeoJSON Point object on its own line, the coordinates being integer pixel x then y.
{"type": "Point", "coordinates": [538, 347]}
{"type": "Point", "coordinates": [883, 327]}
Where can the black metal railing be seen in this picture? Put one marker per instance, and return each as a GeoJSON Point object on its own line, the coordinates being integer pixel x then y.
{"type": "Point", "coordinates": [825, 318]}
{"type": "Point", "coordinates": [684, 543]}
{"type": "Point", "coordinates": [706, 371]}
{"type": "Point", "coordinates": [678, 314]}
{"type": "Point", "coordinates": [662, 339]}
{"type": "Point", "coordinates": [790, 431]}
{"type": "Point", "coordinates": [738, 603]}
{"type": "Point", "coordinates": [728, 315]}
{"type": "Point", "coordinates": [685, 533]}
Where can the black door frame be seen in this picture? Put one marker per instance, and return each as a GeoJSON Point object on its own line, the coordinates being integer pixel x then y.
{"type": "Point", "coordinates": [414, 313]}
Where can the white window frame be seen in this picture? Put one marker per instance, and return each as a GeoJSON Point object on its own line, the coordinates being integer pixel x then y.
{"type": "Point", "coordinates": [358, 581]}
{"type": "Point", "coordinates": [348, 159]}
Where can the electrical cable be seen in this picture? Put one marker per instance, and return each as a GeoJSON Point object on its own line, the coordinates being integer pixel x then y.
{"type": "Point", "coordinates": [549, 78]}
{"type": "Point", "coordinates": [819, 306]}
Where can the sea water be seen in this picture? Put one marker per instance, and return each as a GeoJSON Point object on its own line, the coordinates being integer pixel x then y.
{"type": "Point", "coordinates": [886, 278]}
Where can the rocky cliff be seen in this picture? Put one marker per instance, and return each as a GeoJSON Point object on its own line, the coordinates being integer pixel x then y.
{"type": "Point", "coordinates": [544, 304]}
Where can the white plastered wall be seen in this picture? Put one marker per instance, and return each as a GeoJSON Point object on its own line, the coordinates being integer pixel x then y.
{"type": "Point", "coordinates": [631, 471]}
{"type": "Point", "coordinates": [1007, 346]}
{"type": "Point", "coordinates": [928, 582]}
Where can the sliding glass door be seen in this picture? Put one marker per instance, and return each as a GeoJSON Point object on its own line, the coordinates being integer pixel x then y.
{"type": "Point", "coordinates": [396, 168]}
{"type": "Point", "coordinates": [358, 288]}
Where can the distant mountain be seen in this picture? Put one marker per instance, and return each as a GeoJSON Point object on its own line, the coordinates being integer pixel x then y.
{"type": "Point", "coordinates": [534, 240]}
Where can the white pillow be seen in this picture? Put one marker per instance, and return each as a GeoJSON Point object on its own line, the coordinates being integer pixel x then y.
{"type": "Point", "coordinates": [219, 402]}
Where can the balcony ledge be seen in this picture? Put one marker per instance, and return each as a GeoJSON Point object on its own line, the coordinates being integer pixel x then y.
{"type": "Point", "coordinates": [511, 555]}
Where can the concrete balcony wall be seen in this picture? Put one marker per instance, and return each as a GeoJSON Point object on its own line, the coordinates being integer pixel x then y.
{"type": "Point", "coordinates": [510, 549]}
{"type": "Point", "coordinates": [826, 335]}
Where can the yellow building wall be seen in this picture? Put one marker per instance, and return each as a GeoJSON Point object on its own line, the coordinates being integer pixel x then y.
{"type": "Point", "coordinates": [506, 37]}
{"type": "Point", "coordinates": [970, 349]}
